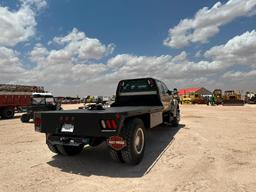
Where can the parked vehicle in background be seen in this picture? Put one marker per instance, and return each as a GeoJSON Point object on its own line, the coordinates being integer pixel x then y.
{"type": "Point", "coordinates": [69, 100]}
{"type": "Point", "coordinates": [250, 98]}
{"type": "Point", "coordinates": [217, 94]}
{"type": "Point", "coordinates": [198, 99]}
{"type": "Point", "coordinates": [185, 99]}
{"type": "Point", "coordinates": [232, 98]}
{"type": "Point", "coordinates": [40, 102]}
{"type": "Point", "coordinates": [139, 104]}
{"type": "Point", "coordinates": [11, 102]}
{"type": "Point", "coordinates": [14, 98]}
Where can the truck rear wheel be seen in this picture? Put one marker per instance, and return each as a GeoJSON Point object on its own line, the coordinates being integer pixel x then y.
{"type": "Point", "coordinates": [8, 113]}
{"type": "Point", "coordinates": [25, 118]}
{"type": "Point", "coordinates": [134, 134]}
{"type": "Point", "coordinates": [116, 155]}
{"type": "Point", "coordinates": [69, 150]}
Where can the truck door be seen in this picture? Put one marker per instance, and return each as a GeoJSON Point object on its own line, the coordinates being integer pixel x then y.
{"type": "Point", "coordinates": [165, 97]}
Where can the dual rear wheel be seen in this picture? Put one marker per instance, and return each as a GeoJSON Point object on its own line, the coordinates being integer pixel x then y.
{"type": "Point", "coordinates": [7, 113]}
{"type": "Point", "coordinates": [134, 134]}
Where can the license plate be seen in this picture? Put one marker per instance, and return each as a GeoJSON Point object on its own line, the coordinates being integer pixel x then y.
{"type": "Point", "coordinates": [67, 128]}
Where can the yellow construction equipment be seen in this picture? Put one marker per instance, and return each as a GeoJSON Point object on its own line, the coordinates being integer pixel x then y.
{"type": "Point", "coordinates": [232, 98]}
{"type": "Point", "coordinates": [198, 99]}
{"type": "Point", "coordinates": [185, 99]}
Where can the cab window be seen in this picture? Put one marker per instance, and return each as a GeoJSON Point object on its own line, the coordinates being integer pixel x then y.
{"type": "Point", "coordinates": [160, 86]}
{"type": "Point", "coordinates": [165, 88]}
{"type": "Point", "coordinates": [138, 85]}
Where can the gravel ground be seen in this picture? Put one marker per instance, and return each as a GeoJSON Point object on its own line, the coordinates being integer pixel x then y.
{"type": "Point", "coordinates": [213, 149]}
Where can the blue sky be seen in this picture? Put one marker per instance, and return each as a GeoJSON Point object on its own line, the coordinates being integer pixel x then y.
{"type": "Point", "coordinates": [134, 33]}
{"type": "Point", "coordinates": [136, 27]}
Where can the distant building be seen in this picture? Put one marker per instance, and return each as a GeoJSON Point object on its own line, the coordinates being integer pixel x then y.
{"type": "Point", "coordinates": [195, 91]}
{"type": "Point", "coordinates": [188, 91]}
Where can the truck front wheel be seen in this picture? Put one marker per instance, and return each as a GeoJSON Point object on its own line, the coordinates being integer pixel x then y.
{"type": "Point", "coordinates": [176, 120]}
{"type": "Point", "coordinates": [25, 118]}
{"type": "Point", "coordinates": [134, 134]}
{"type": "Point", "coordinates": [69, 150]}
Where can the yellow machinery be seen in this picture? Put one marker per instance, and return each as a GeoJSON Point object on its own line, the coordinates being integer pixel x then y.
{"type": "Point", "coordinates": [197, 99]}
{"type": "Point", "coordinates": [232, 98]}
{"type": "Point", "coordinates": [185, 99]}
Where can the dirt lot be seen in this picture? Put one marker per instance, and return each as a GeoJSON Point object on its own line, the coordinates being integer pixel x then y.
{"type": "Point", "coordinates": [214, 149]}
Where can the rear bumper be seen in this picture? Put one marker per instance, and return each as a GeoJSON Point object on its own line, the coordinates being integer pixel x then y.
{"type": "Point", "coordinates": [66, 140]}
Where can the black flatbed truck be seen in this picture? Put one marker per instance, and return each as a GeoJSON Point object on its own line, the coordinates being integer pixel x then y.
{"type": "Point", "coordinates": [140, 104]}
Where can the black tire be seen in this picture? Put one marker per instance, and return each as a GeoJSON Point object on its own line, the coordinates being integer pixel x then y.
{"type": "Point", "coordinates": [116, 155]}
{"type": "Point", "coordinates": [134, 134]}
{"type": "Point", "coordinates": [8, 113]}
{"type": "Point", "coordinates": [53, 148]}
{"type": "Point", "coordinates": [25, 118]}
{"type": "Point", "coordinates": [176, 120]}
{"type": "Point", "coordinates": [69, 150]}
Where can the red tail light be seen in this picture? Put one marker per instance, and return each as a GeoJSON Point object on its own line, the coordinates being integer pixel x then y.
{"type": "Point", "coordinates": [38, 121]}
{"type": "Point", "coordinates": [118, 116]}
{"type": "Point", "coordinates": [113, 123]}
{"type": "Point", "coordinates": [108, 124]}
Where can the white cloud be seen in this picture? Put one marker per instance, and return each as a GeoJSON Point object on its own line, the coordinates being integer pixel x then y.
{"type": "Point", "coordinates": [76, 43]}
{"type": "Point", "coordinates": [38, 4]}
{"type": "Point", "coordinates": [20, 25]}
{"type": "Point", "coordinates": [72, 64]}
{"type": "Point", "coordinates": [62, 68]}
{"type": "Point", "coordinates": [163, 67]}
{"type": "Point", "coordinates": [64, 72]}
{"type": "Point", "coordinates": [74, 48]}
{"type": "Point", "coordinates": [238, 50]}
{"type": "Point", "coordinates": [206, 22]}
{"type": "Point", "coordinates": [39, 54]}
{"type": "Point", "coordinates": [239, 75]}
{"type": "Point", "coordinates": [240, 80]}
{"type": "Point", "coordinates": [10, 64]}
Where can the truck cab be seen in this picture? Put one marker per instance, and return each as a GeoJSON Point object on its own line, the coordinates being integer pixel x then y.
{"type": "Point", "coordinates": [143, 92]}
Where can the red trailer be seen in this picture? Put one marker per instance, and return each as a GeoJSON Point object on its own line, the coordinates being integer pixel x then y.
{"type": "Point", "coordinates": [10, 102]}
{"type": "Point", "coordinates": [14, 97]}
